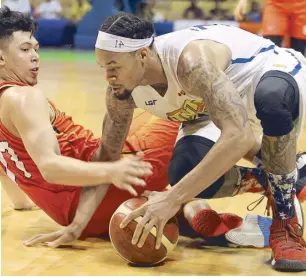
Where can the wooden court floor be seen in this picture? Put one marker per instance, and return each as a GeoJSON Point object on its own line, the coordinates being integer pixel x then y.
{"type": "Point", "coordinates": [78, 89]}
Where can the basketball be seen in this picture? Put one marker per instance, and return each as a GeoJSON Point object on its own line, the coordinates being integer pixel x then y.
{"type": "Point", "coordinates": [122, 238]}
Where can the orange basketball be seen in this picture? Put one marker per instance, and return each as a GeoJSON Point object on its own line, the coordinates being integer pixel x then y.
{"type": "Point", "coordinates": [122, 238]}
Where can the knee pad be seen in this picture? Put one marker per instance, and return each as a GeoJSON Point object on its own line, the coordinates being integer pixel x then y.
{"type": "Point", "coordinates": [187, 154]}
{"type": "Point", "coordinates": [277, 103]}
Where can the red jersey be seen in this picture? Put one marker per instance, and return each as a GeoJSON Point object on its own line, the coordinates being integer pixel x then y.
{"type": "Point", "coordinates": [60, 202]}
{"type": "Point", "coordinates": [18, 164]}
{"type": "Point", "coordinates": [74, 141]}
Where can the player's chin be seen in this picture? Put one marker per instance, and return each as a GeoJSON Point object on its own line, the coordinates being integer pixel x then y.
{"type": "Point", "coordinates": [32, 81]}
{"type": "Point", "coordinates": [123, 95]}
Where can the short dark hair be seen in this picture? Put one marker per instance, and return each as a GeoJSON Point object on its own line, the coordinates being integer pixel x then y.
{"type": "Point", "coordinates": [11, 22]}
{"type": "Point", "coordinates": [128, 26]}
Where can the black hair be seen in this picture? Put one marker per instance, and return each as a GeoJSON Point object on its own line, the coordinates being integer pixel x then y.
{"type": "Point", "coordinates": [128, 26]}
{"type": "Point", "coordinates": [11, 22]}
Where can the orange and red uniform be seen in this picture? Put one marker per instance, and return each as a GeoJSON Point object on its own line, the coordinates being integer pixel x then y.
{"type": "Point", "coordinates": [60, 202]}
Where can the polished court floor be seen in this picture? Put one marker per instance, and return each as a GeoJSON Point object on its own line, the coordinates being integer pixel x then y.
{"type": "Point", "coordinates": [77, 86]}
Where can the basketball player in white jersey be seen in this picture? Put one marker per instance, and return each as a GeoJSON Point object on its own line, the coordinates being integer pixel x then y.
{"type": "Point", "coordinates": [225, 85]}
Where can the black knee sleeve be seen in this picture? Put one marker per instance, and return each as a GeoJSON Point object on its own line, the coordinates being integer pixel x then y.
{"type": "Point", "coordinates": [277, 103]}
{"type": "Point", "coordinates": [187, 154]}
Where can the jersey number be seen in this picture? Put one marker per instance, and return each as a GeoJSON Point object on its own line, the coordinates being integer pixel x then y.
{"type": "Point", "coordinates": [4, 147]}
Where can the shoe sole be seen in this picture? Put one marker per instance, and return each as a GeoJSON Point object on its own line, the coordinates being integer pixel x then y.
{"type": "Point", "coordinates": [254, 232]}
{"type": "Point", "coordinates": [288, 265]}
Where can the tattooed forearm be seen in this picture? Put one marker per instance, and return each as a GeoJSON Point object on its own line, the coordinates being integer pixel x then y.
{"type": "Point", "coordinates": [202, 79]}
{"type": "Point", "coordinates": [116, 126]}
{"type": "Point", "coordinates": [279, 153]}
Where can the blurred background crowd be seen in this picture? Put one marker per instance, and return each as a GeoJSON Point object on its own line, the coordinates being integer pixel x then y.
{"type": "Point", "coordinates": [74, 23]}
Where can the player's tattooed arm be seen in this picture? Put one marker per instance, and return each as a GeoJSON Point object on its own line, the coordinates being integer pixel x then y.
{"type": "Point", "coordinates": [116, 125]}
{"type": "Point", "coordinates": [200, 75]}
{"type": "Point", "coordinates": [202, 78]}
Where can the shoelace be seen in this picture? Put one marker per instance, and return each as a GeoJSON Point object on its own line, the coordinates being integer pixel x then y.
{"type": "Point", "coordinates": [298, 235]}
{"type": "Point", "coordinates": [289, 238]}
{"type": "Point", "coordinates": [258, 201]}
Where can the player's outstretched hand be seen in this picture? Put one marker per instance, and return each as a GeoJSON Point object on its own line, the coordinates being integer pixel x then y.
{"type": "Point", "coordinates": [130, 171]}
{"type": "Point", "coordinates": [57, 238]}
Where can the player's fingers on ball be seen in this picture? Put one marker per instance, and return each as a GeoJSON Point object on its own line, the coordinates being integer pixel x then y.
{"type": "Point", "coordinates": [134, 214]}
{"type": "Point", "coordinates": [146, 231]}
{"type": "Point", "coordinates": [159, 234]}
{"type": "Point", "coordinates": [139, 229]}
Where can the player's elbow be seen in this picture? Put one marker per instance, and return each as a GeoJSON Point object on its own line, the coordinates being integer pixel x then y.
{"type": "Point", "coordinates": [248, 139]}
{"type": "Point", "coordinates": [242, 139]}
{"type": "Point", "coordinates": [48, 170]}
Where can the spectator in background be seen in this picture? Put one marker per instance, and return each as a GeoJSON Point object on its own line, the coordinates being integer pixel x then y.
{"type": "Point", "coordinates": [49, 9]}
{"type": "Point", "coordinates": [218, 13]}
{"type": "Point", "coordinates": [18, 5]}
{"type": "Point", "coordinates": [281, 19]}
{"type": "Point", "coordinates": [134, 5]}
{"type": "Point", "coordinates": [79, 9]}
{"type": "Point", "coordinates": [119, 5]}
{"type": "Point", "coordinates": [193, 11]}
{"type": "Point", "coordinates": [255, 13]}
{"type": "Point", "coordinates": [145, 11]}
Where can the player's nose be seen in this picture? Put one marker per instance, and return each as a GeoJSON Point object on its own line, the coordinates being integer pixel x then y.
{"type": "Point", "coordinates": [112, 80]}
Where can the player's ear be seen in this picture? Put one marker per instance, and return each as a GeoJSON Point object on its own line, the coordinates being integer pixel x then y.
{"type": "Point", "coordinates": [144, 53]}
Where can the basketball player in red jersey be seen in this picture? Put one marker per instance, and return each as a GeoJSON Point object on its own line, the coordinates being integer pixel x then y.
{"type": "Point", "coordinates": [281, 18]}
{"type": "Point", "coordinates": [50, 157]}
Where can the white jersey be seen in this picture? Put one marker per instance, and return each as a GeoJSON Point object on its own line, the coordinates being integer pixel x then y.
{"type": "Point", "coordinates": [252, 56]}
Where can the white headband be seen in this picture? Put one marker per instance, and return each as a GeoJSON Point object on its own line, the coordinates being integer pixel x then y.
{"type": "Point", "coordinates": [114, 43]}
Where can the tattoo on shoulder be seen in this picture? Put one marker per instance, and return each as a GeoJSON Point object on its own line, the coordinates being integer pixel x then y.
{"type": "Point", "coordinates": [203, 80]}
